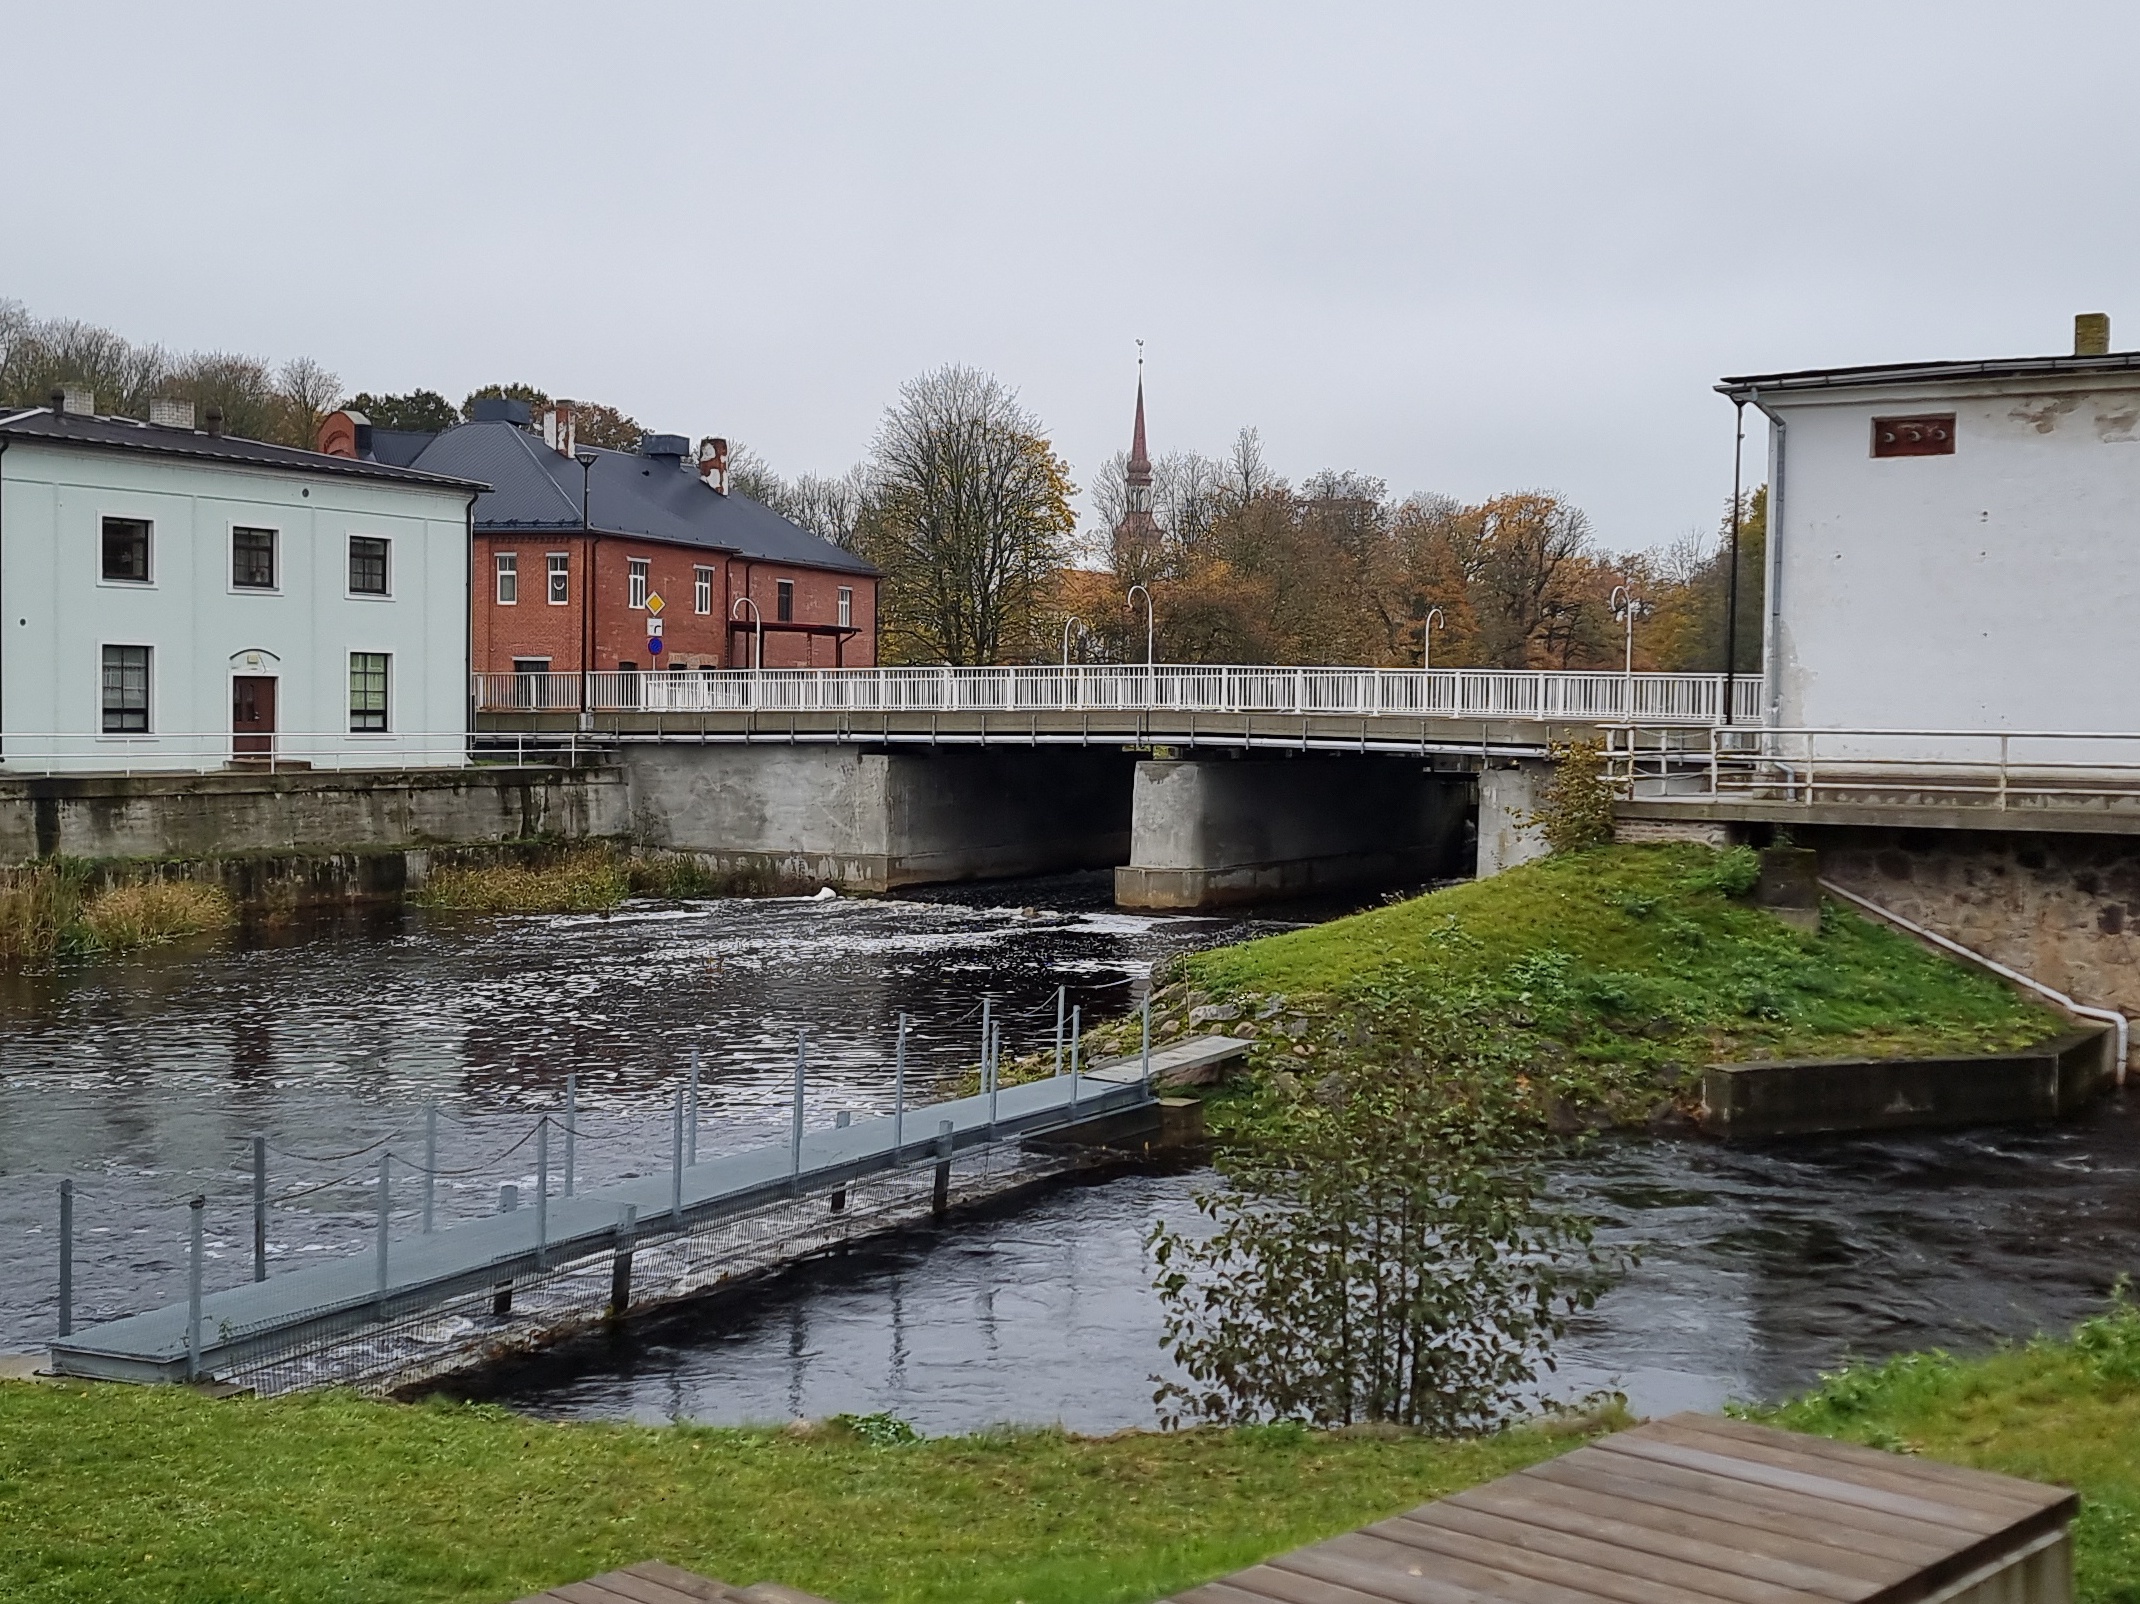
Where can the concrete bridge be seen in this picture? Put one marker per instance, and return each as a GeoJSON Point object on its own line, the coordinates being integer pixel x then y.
{"type": "Point", "coordinates": [1198, 784]}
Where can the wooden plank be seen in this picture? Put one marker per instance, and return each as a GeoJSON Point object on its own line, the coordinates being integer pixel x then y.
{"type": "Point", "coordinates": [2031, 1495]}
{"type": "Point", "coordinates": [1808, 1549]}
{"type": "Point", "coordinates": [1484, 1579]}
{"type": "Point", "coordinates": [688, 1583]}
{"type": "Point", "coordinates": [1491, 1554]}
{"type": "Point", "coordinates": [630, 1588]}
{"type": "Point", "coordinates": [1757, 1508]}
{"type": "Point", "coordinates": [1585, 1515]}
{"type": "Point", "coordinates": [1968, 1525]}
{"type": "Point", "coordinates": [591, 1592]}
{"type": "Point", "coordinates": [1338, 1561]}
{"type": "Point", "coordinates": [1610, 1556]}
{"type": "Point", "coordinates": [773, 1593]}
{"type": "Point", "coordinates": [1993, 1507]}
{"type": "Point", "coordinates": [1262, 1584]}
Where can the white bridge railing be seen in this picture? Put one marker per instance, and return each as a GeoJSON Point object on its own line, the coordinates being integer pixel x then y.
{"type": "Point", "coordinates": [1471, 693]}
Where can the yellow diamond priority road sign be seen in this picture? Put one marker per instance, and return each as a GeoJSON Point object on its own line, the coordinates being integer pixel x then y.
{"type": "Point", "coordinates": [653, 601]}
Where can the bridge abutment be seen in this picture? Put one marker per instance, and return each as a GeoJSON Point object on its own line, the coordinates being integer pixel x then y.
{"type": "Point", "coordinates": [1208, 832]}
{"type": "Point", "coordinates": [781, 817]}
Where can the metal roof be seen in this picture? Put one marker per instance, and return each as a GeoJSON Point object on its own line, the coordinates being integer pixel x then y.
{"type": "Point", "coordinates": [46, 427]}
{"type": "Point", "coordinates": [537, 489]}
{"type": "Point", "coordinates": [1895, 373]}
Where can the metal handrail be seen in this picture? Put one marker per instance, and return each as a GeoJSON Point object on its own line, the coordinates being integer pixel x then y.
{"type": "Point", "coordinates": [1536, 695]}
{"type": "Point", "coordinates": [193, 751]}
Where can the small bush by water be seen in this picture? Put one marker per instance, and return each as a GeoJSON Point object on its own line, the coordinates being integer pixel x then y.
{"type": "Point", "coordinates": [584, 880]}
{"type": "Point", "coordinates": [50, 910]}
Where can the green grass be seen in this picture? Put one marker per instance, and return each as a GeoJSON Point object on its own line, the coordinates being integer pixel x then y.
{"type": "Point", "coordinates": [1609, 974]}
{"type": "Point", "coordinates": [110, 1492]}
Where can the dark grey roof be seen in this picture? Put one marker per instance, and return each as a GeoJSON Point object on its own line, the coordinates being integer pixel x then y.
{"type": "Point", "coordinates": [125, 434]}
{"type": "Point", "coordinates": [537, 489]}
{"type": "Point", "coordinates": [400, 447]}
{"type": "Point", "coordinates": [2015, 367]}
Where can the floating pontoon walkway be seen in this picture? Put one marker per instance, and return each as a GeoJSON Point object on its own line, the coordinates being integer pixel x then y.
{"type": "Point", "coordinates": [421, 1272]}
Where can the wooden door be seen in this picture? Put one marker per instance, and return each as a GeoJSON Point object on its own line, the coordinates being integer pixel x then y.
{"type": "Point", "coordinates": [252, 715]}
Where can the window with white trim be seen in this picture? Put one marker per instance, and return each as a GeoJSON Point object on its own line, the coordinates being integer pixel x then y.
{"type": "Point", "coordinates": [367, 565]}
{"type": "Point", "coordinates": [252, 558]}
{"type": "Point", "coordinates": [126, 550]}
{"type": "Point", "coordinates": [847, 607]}
{"type": "Point", "coordinates": [702, 590]}
{"type": "Point", "coordinates": [508, 578]}
{"type": "Point", "coordinates": [560, 578]}
{"type": "Point", "coordinates": [126, 690]}
{"type": "Point", "coordinates": [635, 579]}
{"type": "Point", "coordinates": [367, 690]}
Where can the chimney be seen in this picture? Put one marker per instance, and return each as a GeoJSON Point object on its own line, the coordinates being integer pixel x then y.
{"type": "Point", "coordinates": [82, 403]}
{"type": "Point", "coordinates": [713, 463]}
{"type": "Point", "coordinates": [559, 430]}
{"type": "Point", "coordinates": [2091, 334]}
{"type": "Point", "coordinates": [215, 423]}
{"type": "Point", "coordinates": [344, 434]}
{"type": "Point", "coordinates": [171, 414]}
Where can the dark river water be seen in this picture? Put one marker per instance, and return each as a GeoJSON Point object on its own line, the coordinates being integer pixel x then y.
{"type": "Point", "coordinates": [143, 1079]}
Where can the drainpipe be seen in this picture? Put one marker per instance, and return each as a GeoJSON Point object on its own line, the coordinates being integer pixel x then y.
{"type": "Point", "coordinates": [468, 624]}
{"type": "Point", "coordinates": [2110, 1017]}
{"type": "Point", "coordinates": [3, 598]}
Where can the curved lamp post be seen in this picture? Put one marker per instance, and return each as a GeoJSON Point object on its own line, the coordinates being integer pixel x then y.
{"type": "Point", "coordinates": [1624, 603]}
{"type": "Point", "coordinates": [1070, 623]}
{"type": "Point", "coordinates": [757, 659]}
{"type": "Point", "coordinates": [1130, 601]}
{"type": "Point", "coordinates": [1426, 636]}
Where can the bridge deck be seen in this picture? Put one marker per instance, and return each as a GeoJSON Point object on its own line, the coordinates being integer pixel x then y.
{"type": "Point", "coordinates": [422, 1271]}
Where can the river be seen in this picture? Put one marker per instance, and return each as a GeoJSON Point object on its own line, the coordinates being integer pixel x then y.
{"type": "Point", "coordinates": [144, 1077]}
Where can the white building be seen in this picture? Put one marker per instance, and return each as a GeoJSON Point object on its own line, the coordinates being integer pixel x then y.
{"type": "Point", "coordinates": [174, 598]}
{"type": "Point", "coordinates": [1955, 546]}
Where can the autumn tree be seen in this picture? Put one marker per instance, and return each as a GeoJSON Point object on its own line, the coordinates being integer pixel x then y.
{"type": "Point", "coordinates": [970, 518]}
{"type": "Point", "coordinates": [420, 411]}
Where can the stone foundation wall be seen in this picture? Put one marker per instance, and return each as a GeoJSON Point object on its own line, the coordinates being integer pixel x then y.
{"type": "Point", "coordinates": [2062, 909]}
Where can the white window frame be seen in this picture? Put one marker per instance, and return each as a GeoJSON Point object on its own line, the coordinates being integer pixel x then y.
{"type": "Point", "coordinates": [349, 557]}
{"type": "Point", "coordinates": [387, 711]}
{"type": "Point", "coordinates": [230, 560]}
{"type": "Point", "coordinates": [557, 565]}
{"type": "Point", "coordinates": [98, 549]}
{"type": "Point", "coordinates": [847, 606]}
{"type": "Point", "coordinates": [638, 580]}
{"type": "Point", "coordinates": [702, 590]}
{"type": "Point", "coordinates": [148, 728]}
{"type": "Point", "coordinates": [505, 567]}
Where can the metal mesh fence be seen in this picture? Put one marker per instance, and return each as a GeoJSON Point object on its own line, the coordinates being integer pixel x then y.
{"type": "Point", "coordinates": [534, 1311]}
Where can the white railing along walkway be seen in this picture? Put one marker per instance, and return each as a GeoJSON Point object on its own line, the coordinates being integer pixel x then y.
{"type": "Point", "coordinates": [1675, 699]}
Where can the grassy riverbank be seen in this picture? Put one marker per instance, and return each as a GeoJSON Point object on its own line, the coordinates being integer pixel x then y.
{"type": "Point", "coordinates": [112, 1492]}
{"type": "Point", "coordinates": [58, 909]}
{"type": "Point", "coordinates": [1607, 978]}
{"type": "Point", "coordinates": [584, 879]}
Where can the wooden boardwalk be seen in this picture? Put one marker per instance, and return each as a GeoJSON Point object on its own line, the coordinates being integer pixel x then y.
{"type": "Point", "coordinates": [1698, 1510]}
{"type": "Point", "coordinates": [652, 1582]}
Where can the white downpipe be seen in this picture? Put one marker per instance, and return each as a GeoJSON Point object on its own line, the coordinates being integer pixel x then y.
{"type": "Point", "coordinates": [2108, 1016]}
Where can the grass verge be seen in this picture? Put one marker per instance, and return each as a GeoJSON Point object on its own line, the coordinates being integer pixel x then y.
{"type": "Point", "coordinates": [1609, 976]}
{"type": "Point", "coordinates": [56, 909]}
{"type": "Point", "coordinates": [112, 1492]}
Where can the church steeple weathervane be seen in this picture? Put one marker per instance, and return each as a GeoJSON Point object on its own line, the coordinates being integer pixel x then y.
{"type": "Point", "coordinates": [1137, 515]}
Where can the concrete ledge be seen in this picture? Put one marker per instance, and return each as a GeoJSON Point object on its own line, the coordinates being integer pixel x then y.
{"type": "Point", "coordinates": [1140, 887]}
{"type": "Point", "coordinates": [1816, 1096]}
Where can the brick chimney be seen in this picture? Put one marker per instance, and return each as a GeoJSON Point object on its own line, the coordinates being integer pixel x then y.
{"type": "Point", "coordinates": [560, 429]}
{"type": "Point", "coordinates": [713, 463]}
{"type": "Point", "coordinates": [2091, 334]}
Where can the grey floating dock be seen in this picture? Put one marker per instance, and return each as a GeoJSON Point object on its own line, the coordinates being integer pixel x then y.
{"type": "Point", "coordinates": [248, 1322]}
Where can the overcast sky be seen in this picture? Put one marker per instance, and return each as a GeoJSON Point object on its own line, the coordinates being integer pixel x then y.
{"type": "Point", "coordinates": [1465, 248]}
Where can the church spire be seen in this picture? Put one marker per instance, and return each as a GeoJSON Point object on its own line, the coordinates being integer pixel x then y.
{"type": "Point", "coordinates": [1139, 475]}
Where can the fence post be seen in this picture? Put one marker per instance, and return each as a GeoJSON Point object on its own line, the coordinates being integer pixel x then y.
{"type": "Point", "coordinates": [501, 1301]}
{"type": "Point", "coordinates": [386, 1161]}
{"type": "Point", "coordinates": [620, 1262]}
{"type": "Point", "coordinates": [691, 1114]}
{"type": "Point", "coordinates": [1076, 1029]}
{"type": "Point", "coordinates": [840, 1122]}
{"type": "Point", "coordinates": [940, 1194]}
{"type": "Point", "coordinates": [1146, 1047]}
{"type": "Point", "coordinates": [994, 1066]}
{"type": "Point", "coordinates": [430, 1161]}
{"type": "Point", "coordinates": [572, 1122]}
{"type": "Point", "coordinates": [193, 1292]}
{"type": "Point", "coordinates": [259, 1207]}
{"type": "Point", "coordinates": [1062, 996]}
{"type": "Point", "coordinates": [987, 1006]}
{"type": "Point", "coordinates": [542, 1188]}
{"type": "Point", "coordinates": [676, 1166]}
{"type": "Point", "coordinates": [66, 1256]}
{"type": "Point", "coordinates": [795, 1125]}
{"type": "Point", "coordinates": [899, 1093]}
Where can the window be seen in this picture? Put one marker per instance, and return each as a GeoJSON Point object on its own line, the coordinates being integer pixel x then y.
{"type": "Point", "coordinates": [1927, 435]}
{"type": "Point", "coordinates": [847, 607]}
{"type": "Point", "coordinates": [252, 558]}
{"type": "Point", "coordinates": [635, 581]}
{"type": "Point", "coordinates": [702, 590]}
{"type": "Point", "coordinates": [126, 550]}
{"type": "Point", "coordinates": [531, 665]}
{"type": "Point", "coordinates": [367, 567]}
{"type": "Point", "coordinates": [784, 609]}
{"type": "Point", "coordinates": [367, 689]}
{"type": "Point", "coordinates": [560, 579]}
{"type": "Point", "coordinates": [508, 578]}
{"type": "Point", "coordinates": [126, 689]}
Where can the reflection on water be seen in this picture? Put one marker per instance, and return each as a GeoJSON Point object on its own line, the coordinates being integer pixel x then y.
{"type": "Point", "coordinates": [144, 1078]}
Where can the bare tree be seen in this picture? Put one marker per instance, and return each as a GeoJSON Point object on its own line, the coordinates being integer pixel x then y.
{"type": "Point", "coordinates": [970, 518]}
{"type": "Point", "coordinates": [309, 392]}
{"type": "Point", "coordinates": [831, 507]}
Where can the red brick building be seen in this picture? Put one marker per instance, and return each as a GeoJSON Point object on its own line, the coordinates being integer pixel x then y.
{"type": "Point", "coordinates": [571, 543]}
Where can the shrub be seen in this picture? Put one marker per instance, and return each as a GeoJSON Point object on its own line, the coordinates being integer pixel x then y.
{"type": "Point", "coordinates": [587, 880]}
{"type": "Point", "coordinates": [148, 911]}
{"type": "Point", "coordinates": [1576, 811]}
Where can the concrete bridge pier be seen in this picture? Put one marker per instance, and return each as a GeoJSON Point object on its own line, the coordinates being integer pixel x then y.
{"type": "Point", "coordinates": [780, 817]}
{"type": "Point", "coordinates": [1208, 832]}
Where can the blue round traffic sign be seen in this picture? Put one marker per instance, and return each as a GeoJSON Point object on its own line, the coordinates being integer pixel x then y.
{"type": "Point", "coordinates": [654, 645]}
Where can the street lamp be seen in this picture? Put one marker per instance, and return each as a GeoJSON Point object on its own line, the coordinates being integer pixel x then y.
{"type": "Point", "coordinates": [1129, 601]}
{"type": "Point", "coordinates": [1426, 637]}
{"type": "Point", "coordinates": [1069, 624]}
{"type": "Point", "coordinates": [1623, 605]}
{"type": "Point", "coordinates": [757, 659]}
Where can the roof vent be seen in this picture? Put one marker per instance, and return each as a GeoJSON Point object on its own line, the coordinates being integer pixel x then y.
{"type": "Point", "coordinates": [2091, 334]}
{"type": "Point", "coordinates": [81, 402]}
{"type": "Point", "coordinates": [215, 423]}
{"type": "Point", "coordinates": [171, 414]}
{"type": "Point", "coordinates": [669, 448]}
{"type": "Point", "coordinates": [498, 409]}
